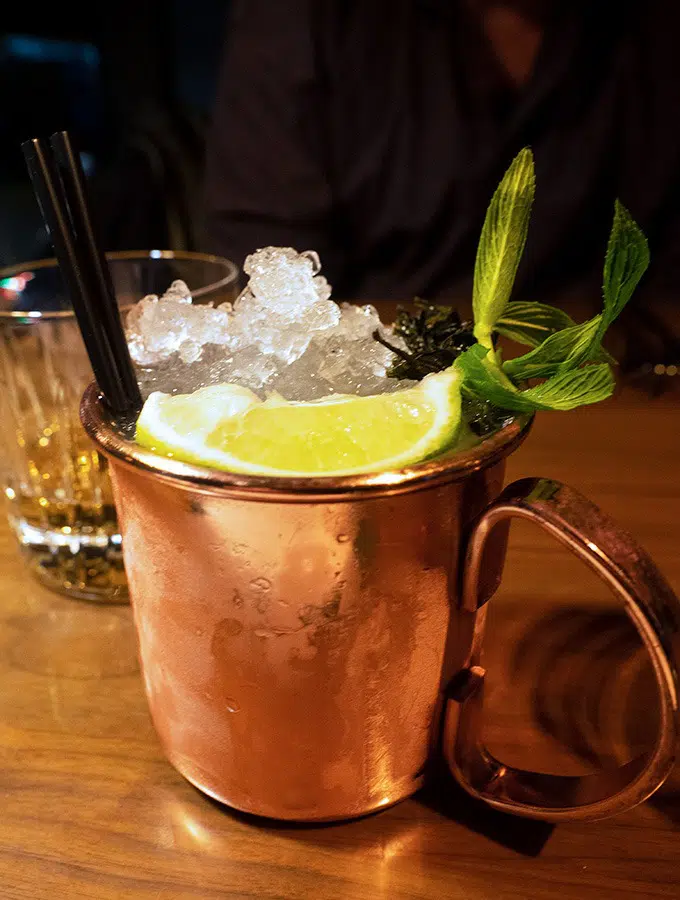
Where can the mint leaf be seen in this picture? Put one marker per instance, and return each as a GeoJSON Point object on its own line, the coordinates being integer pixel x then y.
{"type": "Point", "coordinates": [625, 263]}
{"type": "Point", "coordinates": [550, 357]}
{"type": "Point", "coordinates": [531, 323]}
{"type": "Point", "coordinates": [571, 389]}
{"type": "Point", "coordinates": [485, 379]}
{"type": "Point", "coordinates": [501, 244]}
{"type": "Point", "coordinates": [564, 391]}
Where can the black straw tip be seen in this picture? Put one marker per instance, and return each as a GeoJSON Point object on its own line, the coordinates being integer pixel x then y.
{"type": "Point", "coordinates": [60, 189]}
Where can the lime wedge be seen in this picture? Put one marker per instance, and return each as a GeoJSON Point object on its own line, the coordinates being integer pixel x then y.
{"type": "Point", "coordinates": [179, 425]}
{"type": "Point", "coordinates": [226, 427]}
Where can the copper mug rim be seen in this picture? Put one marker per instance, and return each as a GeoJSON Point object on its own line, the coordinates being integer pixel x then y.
{"type": "Point", "coordinates": [454, 465]}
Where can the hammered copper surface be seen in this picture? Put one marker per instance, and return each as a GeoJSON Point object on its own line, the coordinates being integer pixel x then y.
{"type": "Point", "coordinates": [295, 636]}
{"type": "Point", "coordinates": [293, 653]}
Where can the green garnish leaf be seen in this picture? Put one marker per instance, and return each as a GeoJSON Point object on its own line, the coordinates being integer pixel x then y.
{"type": "Point", "coordinates": [566, 391]}
{"type": "Point", "coordinates": [552, 355]}
{"type": "Point", "coordinates": [486, 380]}
{"type": "Point", "coordinates": [591, 384]}
{"type": "Point", "coordinates": [531, 323]}
{"type": "Point", "coordinates": [501, 244]}
{"type": "Point", "coordinates": [625, 263]}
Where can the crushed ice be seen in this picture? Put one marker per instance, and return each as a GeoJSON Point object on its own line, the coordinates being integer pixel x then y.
{"type": "Point", "coordinates": [283, 333]}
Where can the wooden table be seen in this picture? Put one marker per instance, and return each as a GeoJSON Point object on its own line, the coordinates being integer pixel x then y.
{"type": "Point", "coordinates": [90, 809]}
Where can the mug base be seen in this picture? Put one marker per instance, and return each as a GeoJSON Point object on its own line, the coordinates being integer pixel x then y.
{"type": "Point", "coordinates": [296, 816]}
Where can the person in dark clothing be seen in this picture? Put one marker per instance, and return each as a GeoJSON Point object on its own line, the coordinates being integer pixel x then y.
{"type": "Point", "coordinates": [375, 132]}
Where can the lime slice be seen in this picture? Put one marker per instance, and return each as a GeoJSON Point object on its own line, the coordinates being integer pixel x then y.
{"type": "Point", "coordinates": [226, 427]}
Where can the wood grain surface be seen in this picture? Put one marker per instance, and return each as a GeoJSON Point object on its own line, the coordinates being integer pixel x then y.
{"type": "Point", "coordinates": [89, 808]}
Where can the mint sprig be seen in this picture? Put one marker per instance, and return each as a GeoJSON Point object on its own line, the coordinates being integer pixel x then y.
{"type": "Point", "coordinates": [573, 367]}
{"type": "Point", "coordinates": [569, 357]}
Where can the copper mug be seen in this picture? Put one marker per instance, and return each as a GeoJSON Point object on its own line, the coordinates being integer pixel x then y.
{"type": "Point", "coordinates": [309, 646]}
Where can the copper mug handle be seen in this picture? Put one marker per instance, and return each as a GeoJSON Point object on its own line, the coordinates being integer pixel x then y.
{"type": "Point", "coordinates": [652, 607]}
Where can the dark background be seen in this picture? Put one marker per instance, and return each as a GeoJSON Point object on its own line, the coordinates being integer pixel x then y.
{"type": "Point", "coordinates": [134, 83]}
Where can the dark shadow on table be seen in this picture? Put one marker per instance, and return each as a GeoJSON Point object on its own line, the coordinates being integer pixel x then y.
{"type": "Point", "coordinates": [524, 836]}
{"type": "Point", "coordinates": [442, 797]}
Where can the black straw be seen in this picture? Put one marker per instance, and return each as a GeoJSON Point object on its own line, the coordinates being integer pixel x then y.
{"type": "Point", "coordinates": [59, 187]}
